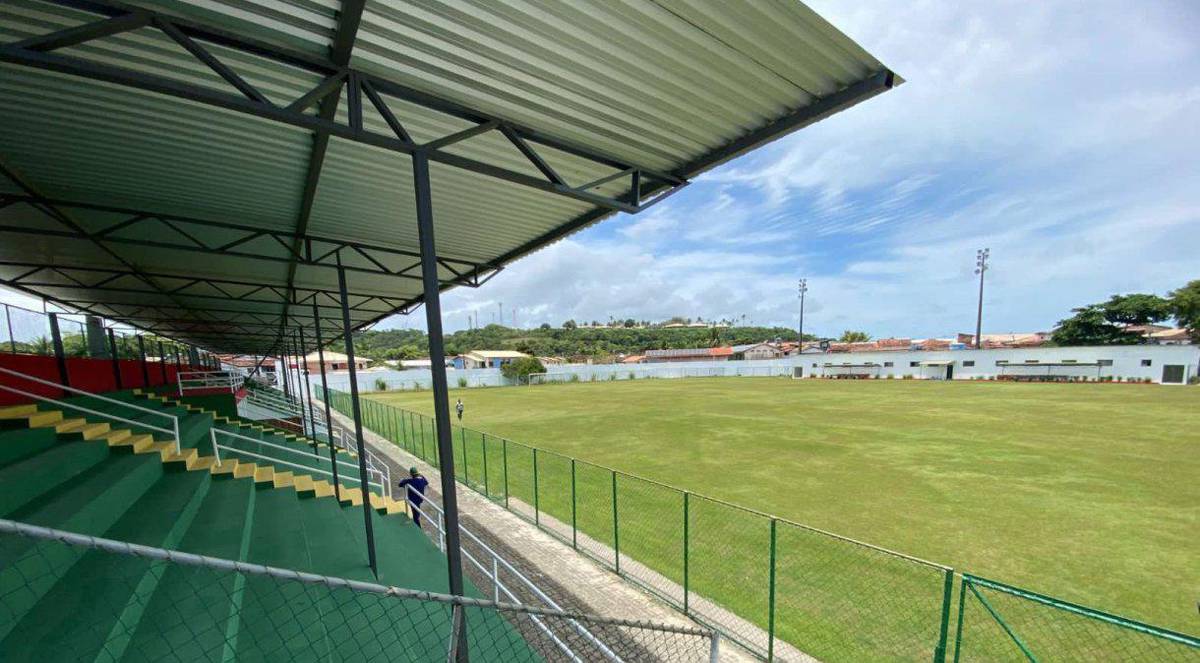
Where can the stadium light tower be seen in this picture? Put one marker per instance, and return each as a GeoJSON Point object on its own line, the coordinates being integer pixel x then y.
{"type": "Point", "coordinates": [803, 289]}
{"type": "Point", "coordinates": [981, 266]}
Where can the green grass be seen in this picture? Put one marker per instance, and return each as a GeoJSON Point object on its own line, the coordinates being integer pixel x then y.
{"type": "Point", "coordinates": [1085, 492]}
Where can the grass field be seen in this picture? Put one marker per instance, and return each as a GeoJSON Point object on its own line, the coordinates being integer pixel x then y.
{"type": "Point", "coordinates": [1087, 492]}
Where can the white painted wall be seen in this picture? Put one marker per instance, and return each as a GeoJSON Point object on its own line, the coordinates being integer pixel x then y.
{"type": "Point", "coordinates": [1127, 361]}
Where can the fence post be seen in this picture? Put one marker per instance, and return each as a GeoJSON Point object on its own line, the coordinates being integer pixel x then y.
{"type": "Point", "coordinates": [962, 601]}
{"type": "Point", "coordinates": [483, 443]}
{"type": "Point", "coordinates": [504, 459]}
{"type": "Point", "coordinates": [685, 552]}
{"type": "Point", "coordinates": [939, 652]}
{"type": "Point", "coordinates": [536, 510]}
{"type": "Point", "coordinates": [616, 529]}
{"type": "Point", "coordinates": [771, 600]}
{"type": "Point", "coordinates": [574, 527]}
{"type": "Point", "coordinates": [60, 356]}
{"type": "Point", "coordinates": [462, 439]}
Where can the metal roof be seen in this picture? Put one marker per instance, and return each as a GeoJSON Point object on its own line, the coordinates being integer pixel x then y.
{"type": "Point", "coordinates": [200, 168]}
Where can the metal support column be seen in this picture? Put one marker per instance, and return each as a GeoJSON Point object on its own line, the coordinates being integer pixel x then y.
{"type": "Point", "coordinates": [348, 333]}
{"type": "Point", "coordinates": [312, 420]}
{"type": "Point", "coordinates": [294, 357]}
{"type": "Point", "coordinates": [437, 357]}
{"type": "Point", "coordinates": [178, 363]}
{"type": "Point", "coordinates": [162, 362]}
{"type": "Point", "coordinates": [337, 488]}
{"type": "Point", "coordinates": [60, 355]}
{"type": "Point", "coordinates": [287, 390]}
{"type": "Point", "coordinates": [116, 362]}
{"type": "Point", "coordinates": [142, 354]}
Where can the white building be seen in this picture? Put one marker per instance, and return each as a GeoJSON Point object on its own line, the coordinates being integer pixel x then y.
{"type": "Point", "coordinates": [1166, 364]}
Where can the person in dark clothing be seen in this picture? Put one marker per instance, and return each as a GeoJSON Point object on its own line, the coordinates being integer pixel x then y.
{"type": "Point", "coordinates": [414, 489]}
{"type": "Point", "coordinates": [458, 407]}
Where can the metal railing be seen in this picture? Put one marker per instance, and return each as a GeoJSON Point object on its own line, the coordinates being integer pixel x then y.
{"type": "Point", "coordinates": [207, 380]}
{"type": "Point", "coordinates": [491, 566]}
{"type": "Point", "coordinates": [383, 482]}
{"type": "Point", "coordinates": [173, 431]}
{"type": "Point", "coordinates": [326, 616]}
{"type": "Point", "coordinates": [785, 591]}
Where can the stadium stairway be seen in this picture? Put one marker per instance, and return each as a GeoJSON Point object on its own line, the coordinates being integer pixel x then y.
{"type": "Point", "coordinates": [84, 475]}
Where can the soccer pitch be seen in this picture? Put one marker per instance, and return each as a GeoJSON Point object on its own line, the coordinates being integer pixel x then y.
{"type": "Point", "coordinates": [1086, 492]}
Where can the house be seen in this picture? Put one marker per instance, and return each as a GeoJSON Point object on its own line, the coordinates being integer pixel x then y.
{"type": "Point", "coordinates": [751, 351]}
{"type": "Point", "coordinates": [689, 354]}
{"type": "Point", "coordinates": [1171, 337]}
{"type": "Point", "coordinates": [1009, 340]}
{"type": "Point", "coordinates": [487, 358]}
{"type": "Point", "coordinates": [334, 361]}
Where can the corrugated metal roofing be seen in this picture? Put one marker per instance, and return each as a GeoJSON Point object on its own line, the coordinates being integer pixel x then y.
{"type": "Point", "coordinates": [674, 86]}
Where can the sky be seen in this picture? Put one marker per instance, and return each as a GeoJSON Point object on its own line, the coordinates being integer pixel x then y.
{"type": "Point", "coordinates": [1063, 136]}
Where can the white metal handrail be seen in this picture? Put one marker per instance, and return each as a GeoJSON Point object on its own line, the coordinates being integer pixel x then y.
{"type": "Point", "coordinates": [217, 447]}
{"type": "Point", "coordinates": [493, 573]}
{"type": "Point", "coordinates": [195, 380]}
{"type": "Point", "coordinates": [174, 430]}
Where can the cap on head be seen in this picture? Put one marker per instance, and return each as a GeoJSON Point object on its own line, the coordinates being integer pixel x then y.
{"type": "Point", "coordinates": [412, 470]}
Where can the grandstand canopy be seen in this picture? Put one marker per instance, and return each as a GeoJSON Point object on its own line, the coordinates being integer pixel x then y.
{"type": "Point", "coordinates": [201, 168]}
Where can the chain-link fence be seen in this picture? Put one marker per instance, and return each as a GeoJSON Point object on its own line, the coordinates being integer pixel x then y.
{"type": "Point", "coordinates": [999, 622]}
{"type": "Point", "coordinates": [69, 596]}
{"type": "Point", "coordinates": [783, 590]}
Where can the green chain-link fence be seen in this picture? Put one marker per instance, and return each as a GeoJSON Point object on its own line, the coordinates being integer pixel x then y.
{"type": "Point", "coordinates": [781, 589]}
{"type": "Point", "coordinates": [999, 622]}
{"type": "Point", "coordinates": [65, 596]}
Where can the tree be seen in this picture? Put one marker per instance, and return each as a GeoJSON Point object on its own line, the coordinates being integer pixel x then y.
{"type": "Point", "coordinates": [570, 324]}
{"type": "Point", "coordinates": [629, 323]}
{"type": "Point", "coordinates": [1185, 306]}
{"type": "Point", "coordinates": [850, 336]}
{"type": "Point", "coordinates": [520, 369]}
{"type": "Point", "coordinates": [1090, 326]}
{"type": "Point", "coordinates": [1136, 309]}
{"type": "Point", "coordinates": [545, 326]}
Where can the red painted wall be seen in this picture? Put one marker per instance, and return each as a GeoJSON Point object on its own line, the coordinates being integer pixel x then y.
{"type": "Point", "coordinates": [94, 375]}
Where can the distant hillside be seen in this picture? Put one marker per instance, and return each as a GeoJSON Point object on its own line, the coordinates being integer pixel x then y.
{"type": "Point", "coordinates": [580, 343]}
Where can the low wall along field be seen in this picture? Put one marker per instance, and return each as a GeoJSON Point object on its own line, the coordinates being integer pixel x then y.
{"type": "Point", "coordinates": [1083, 492]}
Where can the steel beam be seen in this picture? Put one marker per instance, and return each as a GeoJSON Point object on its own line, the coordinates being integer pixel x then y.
{"type": "Point", "coordinates": [437, 358]}
{"type": "Point", "coordinates": [348, 337]}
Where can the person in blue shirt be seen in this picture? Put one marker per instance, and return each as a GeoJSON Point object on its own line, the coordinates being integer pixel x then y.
{"type": "Point", "coordinates": [414, 489]}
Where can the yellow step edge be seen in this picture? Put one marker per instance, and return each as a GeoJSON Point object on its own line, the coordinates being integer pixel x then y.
{"type": "Point", "coordinates": [264, 474]}
{"type": "Point", "coordinates": [303, 483]}
{"type": "Point", "coordinates": [92, 431]}
{"type": "Point", "coordinates": [204, 463]}
{"type": "Point", "coordinates": [17, 411]}
{"type": "Point", "coordinates": [244, 470]}
{"type": "Point", "coordinates": [185, 456]}
{"type": "Point", "coordinates": [225, 467]}
{"type": "Point", "coordinates": [322, 489]}
{"type": "Point", "coordinates": [69, 425]}
{"type": "Point", "coordinates": [164, 449]}
{"type": "Point", "coordinates": [284, 479]}
{"type": "Point", "coordinates": [44, 419]}
{"type": "Point", "coordinates": [395, 507]}
{"type": "Point", "coordinates": [114, 436]}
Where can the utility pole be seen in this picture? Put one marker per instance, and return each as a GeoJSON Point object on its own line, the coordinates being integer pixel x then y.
{"type": "Point", "coordinates": [803, 289]}
{"type": "Point", "coordinates": [981, 266]}
{"type": "Point", "coordinates": [500, 318]}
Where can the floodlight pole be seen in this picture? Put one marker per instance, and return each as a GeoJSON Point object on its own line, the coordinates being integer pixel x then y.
{"type": "Point", "coordinates": [437, 357]}
{"type": "Point", "coordinates": [981, 266]}
{"type": "Point", "coordinates": [803, 290]}
{"type": "Point", "coordinates": [337, 488]}
{"type": "Point", "coordinates": [348, 334]}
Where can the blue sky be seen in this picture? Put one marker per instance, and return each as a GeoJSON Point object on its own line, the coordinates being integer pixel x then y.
{"type": "Point", "coordinates": [1064, 136]}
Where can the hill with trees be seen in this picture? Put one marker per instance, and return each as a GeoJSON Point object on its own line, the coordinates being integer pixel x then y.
{"type": "Point", "coordinates": [570, 341]}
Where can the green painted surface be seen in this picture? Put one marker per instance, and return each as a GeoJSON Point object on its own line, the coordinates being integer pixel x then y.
{"type": "Point", "coordinates": [26, 442]}
{"type": "Point", "coordinates": [100, 585]}
{"type": "Point", "coordinates": [62, 603]}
